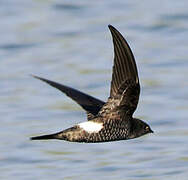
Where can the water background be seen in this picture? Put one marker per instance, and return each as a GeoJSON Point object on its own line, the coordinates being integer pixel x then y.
{"type": "Point", "coordinates": [69, 42]}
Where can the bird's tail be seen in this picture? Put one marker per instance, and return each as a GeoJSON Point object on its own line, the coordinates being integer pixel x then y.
{"type": "Point", "coordinates": [45, 137]}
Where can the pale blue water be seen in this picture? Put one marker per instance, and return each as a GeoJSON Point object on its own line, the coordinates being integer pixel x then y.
{"type": "Point", "coordinates": [69, 42]}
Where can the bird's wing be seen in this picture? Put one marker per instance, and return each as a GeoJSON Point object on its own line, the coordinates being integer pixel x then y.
{"type": "Point", "coordinates": [125, 82]}
{"type": "Point", "coordinates": [90, 104]}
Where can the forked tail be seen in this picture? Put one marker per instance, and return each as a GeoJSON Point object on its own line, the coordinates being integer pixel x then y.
{"type": "Point", "coordinates": [44, 137]}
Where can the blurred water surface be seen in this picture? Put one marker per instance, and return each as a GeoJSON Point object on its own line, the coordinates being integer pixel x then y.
{"type": "Point", "coordinates": [68, 41]}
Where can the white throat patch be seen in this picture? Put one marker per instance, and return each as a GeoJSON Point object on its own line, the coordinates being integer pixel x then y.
{"type": "Point", "coordinates": [91, 127]}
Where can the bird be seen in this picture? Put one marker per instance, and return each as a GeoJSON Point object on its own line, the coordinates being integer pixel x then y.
{"type": "Point", "coordinates": [111, 120]}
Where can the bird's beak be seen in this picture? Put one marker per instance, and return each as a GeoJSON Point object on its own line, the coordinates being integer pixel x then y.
{"type": "Point", "coordinates": [151, 131]}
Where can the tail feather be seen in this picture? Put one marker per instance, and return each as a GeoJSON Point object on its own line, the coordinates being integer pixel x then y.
{"type": "Point", "coordinates": [44, 137]}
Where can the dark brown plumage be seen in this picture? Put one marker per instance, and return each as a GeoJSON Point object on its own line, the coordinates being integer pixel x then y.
{"type": "Point", "coordinates": [110, 121]}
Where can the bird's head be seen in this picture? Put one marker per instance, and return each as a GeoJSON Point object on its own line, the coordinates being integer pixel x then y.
{"type": "Point", "coordinates": [139, 128]}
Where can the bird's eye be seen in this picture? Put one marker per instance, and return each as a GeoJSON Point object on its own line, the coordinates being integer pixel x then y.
{"type": "Point", "coordinates": [147, 128]}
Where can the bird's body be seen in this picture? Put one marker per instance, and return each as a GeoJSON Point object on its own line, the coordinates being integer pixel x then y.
{"type": "Point", "coordinates": [97, 130]}
{"type": "Point", "coordinates": [110, 121]}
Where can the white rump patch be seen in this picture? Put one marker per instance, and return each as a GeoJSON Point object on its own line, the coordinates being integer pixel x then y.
{"type": "Point", "coordinates": [91, 127]}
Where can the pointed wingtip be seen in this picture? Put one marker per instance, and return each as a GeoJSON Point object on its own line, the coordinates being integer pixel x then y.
{"type": "Point", "coordinates": [40, 78]}
{"type": "Point", "coordinates": [111, 27]}
{"type": "Point", "coordinates": [114, 31]}
{"type": "Point", "coordinates": [34, 76]}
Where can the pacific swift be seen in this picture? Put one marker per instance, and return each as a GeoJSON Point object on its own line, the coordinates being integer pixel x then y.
{"type": "Point", "coordinates": [112, 120]}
